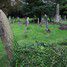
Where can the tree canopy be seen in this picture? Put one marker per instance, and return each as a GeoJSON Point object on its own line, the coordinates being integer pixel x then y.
{"type": "Point", "coordinates": [33, 7]}
{"type": "Point", "coordinates": [37, 7]}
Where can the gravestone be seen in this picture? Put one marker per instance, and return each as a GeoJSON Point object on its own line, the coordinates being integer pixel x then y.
{"type": "Point", "coordinates": [65, 17]}
{"type": "Point", "coordinates": [13, 20]}
{"type": "Point", "coordinates": [6, 34]}
{"type": "Point", "coordinates": [46, 23]}
{"type": "Point", "coordinates": [19, 22]}
{"type": "Point", "coordinates": [43, 20]}
{"type": "Point", "coordinates": [57, 13]}
{"type": "Point", "coordinates": [38, 21]}
{"type": "Point", "coordinates": [10, 20]}
{"type": "Point", "coordinates": [27, 21]}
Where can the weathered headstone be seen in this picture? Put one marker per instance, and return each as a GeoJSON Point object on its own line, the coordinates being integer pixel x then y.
{"type": "Point", "coordinates": [27, 21]}
{"type": "Point", "coordinates": [10, 20]}
{"type": "Point", "coordinates": [46, 23]}
{"type": "Point", "coordinates": [38, 21]}
{"type": "Point", "coordinates": [42, 20]}
{"type": "Point", "coordinates": [65, 17]}
{"type": "Point", "coordinates": [6, 34]}
{"type": "Point", "coordinates": [57, 13]}
{"type": "Point", "coordinates": [13, 19]}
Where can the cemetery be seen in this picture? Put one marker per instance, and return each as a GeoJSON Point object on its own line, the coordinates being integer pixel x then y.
{"type": "Point", "coordinates": [33, 33]}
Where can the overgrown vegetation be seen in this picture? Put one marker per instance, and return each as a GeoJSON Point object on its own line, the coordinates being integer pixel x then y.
{"type": "Point", "coordinates": [40, 55]}
{"type": "Point", "coordinates": [34, 47]}
{"type": "Point", "coordinates": [36, 33]}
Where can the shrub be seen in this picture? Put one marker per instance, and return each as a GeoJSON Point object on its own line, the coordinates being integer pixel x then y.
{"type": "Point", "coordinates": [39, 55]}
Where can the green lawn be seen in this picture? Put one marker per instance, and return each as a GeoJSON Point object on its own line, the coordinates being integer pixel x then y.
{"type": "Point", "coordinates": [35, 33]}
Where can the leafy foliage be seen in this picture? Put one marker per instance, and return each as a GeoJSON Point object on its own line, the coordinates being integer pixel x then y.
{"type": "Point", "coordinates": [33, 7]}
{"type": "Point", "coordinates": [38, 55]}
{"type": "Point", "coordinates": [37, 7]}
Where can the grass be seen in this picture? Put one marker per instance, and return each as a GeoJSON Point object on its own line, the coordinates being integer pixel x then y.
{"type": "Point", "coordinates": [34, 33]}
{"type": "Point", "coordinates": [1, 49]}
{"type": "Point", "coordinates": [64, 22]}
{"type": "Point", "coordinates": [3, 56]}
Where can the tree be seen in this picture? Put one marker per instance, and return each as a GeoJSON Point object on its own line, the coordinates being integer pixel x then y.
{"type": "Point", "coordinates": [38, 8]}
{"type": "Point", "coordinates": [9, 6]}
{"type": "Point", "coordinates": [4, 6]}
{"type": "Point", "coordinates": [62, 5]}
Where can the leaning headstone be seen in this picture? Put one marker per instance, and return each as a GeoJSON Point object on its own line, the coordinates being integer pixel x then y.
{"type": "Point", "coordinates": [6, 34]}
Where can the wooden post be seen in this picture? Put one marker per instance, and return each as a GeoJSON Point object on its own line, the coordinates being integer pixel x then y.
{"type": "Point", "coordinates": [6, 34]}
